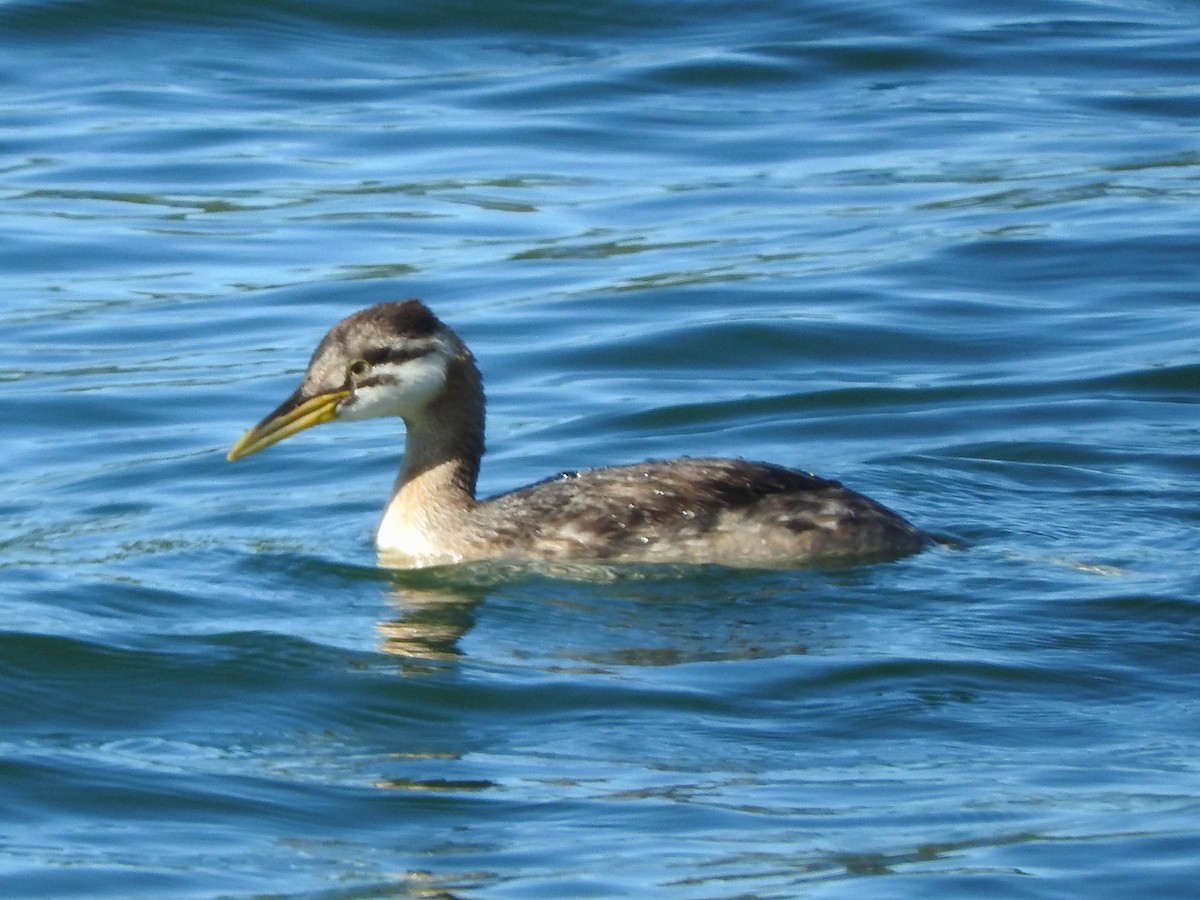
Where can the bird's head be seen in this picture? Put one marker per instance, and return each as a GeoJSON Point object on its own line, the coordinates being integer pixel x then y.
{"type": "Point", "coordinates": [391, 359]}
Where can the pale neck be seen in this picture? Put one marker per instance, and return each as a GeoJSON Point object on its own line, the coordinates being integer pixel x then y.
{"type": "Point", "coordinates": [443, 447]}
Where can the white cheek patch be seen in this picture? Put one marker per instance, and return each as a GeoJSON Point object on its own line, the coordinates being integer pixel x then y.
{"type": "Point", "coordinates": [420, 380]}
{"type": "Point", "coordinates": [405, 387]}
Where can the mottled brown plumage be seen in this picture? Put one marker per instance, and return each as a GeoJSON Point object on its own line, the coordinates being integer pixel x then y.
{"type": "Point", "coordinates": [722, 510]}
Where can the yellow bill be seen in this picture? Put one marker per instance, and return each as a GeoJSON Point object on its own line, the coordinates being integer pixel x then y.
{"type": "Point", "coordinates": [295, 415]}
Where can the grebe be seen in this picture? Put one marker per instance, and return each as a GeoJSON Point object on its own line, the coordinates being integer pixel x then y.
{"type": "Point", "coordinates": [398, 359]}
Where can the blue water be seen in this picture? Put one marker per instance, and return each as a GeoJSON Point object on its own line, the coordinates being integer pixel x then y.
{"type": "Point", "coordinates": [945, 252]}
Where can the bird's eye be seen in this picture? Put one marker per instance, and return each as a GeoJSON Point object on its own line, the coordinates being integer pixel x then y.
{"type": "Point", "coordinates": [358, 368]}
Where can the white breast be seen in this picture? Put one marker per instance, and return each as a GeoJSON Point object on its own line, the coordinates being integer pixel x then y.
{"type": "Point", "coordinates": [401, 537]}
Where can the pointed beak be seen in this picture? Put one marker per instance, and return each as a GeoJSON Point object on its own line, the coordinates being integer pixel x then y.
{"type": "Point", "coordinates": [295, 414]}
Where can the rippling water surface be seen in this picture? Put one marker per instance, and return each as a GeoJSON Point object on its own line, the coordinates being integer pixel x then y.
{"type": "Point", "coordinates": [945, 252]}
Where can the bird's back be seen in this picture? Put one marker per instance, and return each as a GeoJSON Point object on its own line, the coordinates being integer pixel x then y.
{"type": "Point", "coordinates": [694, 510]}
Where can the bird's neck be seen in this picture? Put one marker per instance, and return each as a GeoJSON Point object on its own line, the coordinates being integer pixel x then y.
{"type": "Point", "coordinates": [436, 486]}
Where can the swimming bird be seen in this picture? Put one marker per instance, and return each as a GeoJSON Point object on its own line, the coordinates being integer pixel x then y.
{"type": "Point", "coordinates": [398, 359]}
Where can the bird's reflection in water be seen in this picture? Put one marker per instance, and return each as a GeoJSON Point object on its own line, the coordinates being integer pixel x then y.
{"type": "Point", "coordinates": [429, 622]}
{"type": "Point", "coordinates": [619, 615]}
{"type": "Point", "coordinates": [435, 607]}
